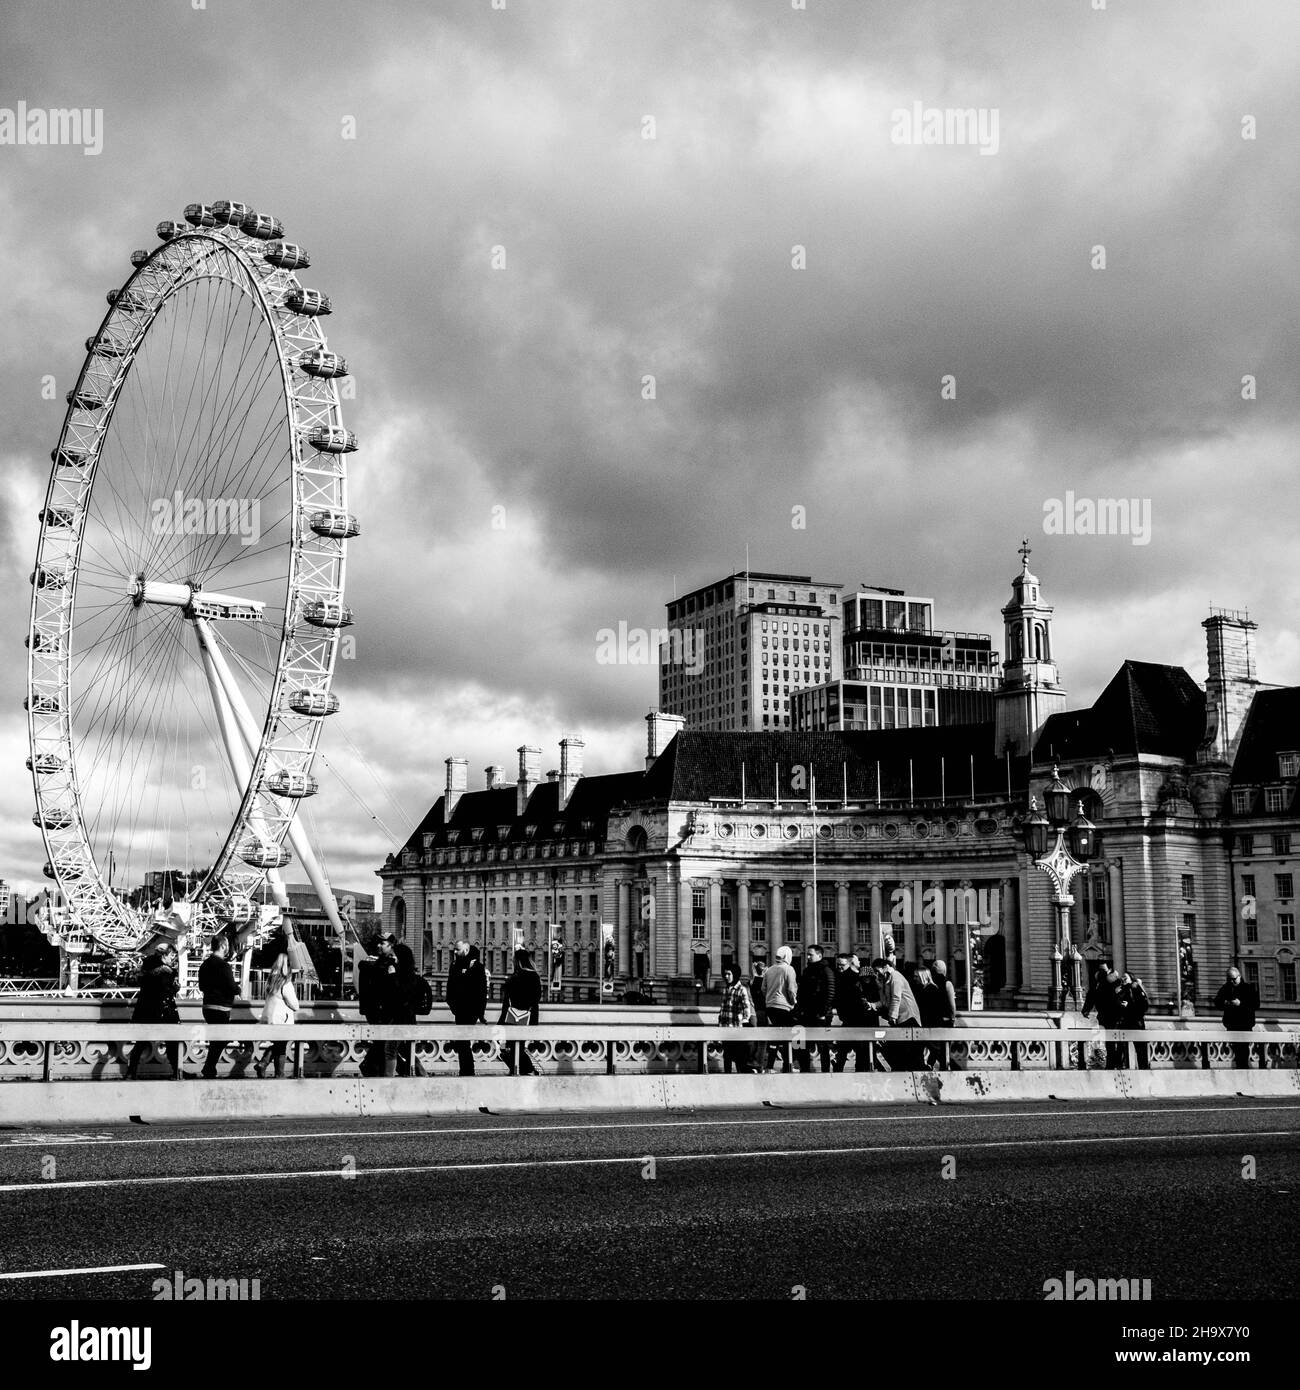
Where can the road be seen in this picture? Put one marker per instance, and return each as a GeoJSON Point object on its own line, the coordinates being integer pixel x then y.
{"type": "Point", "coordinates": [840, 1203]}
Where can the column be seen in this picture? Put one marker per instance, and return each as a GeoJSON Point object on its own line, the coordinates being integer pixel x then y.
{"type": "Point", "coordinates": [683, 921]}
{"type": "Point", "coordinates": [1009, 924]}
{"type": "Point", "coordinates": [741, 925]}
{"type": "Point", "coordinates": [775, 917]}
{"type": "Point", "coordinates": [714, 901]}
{"type": "Point", "coordinates": [622, 929]}
{"type": "Point", "coordinates": [648, 886]}
{"type": "Point", "coordinates": [1115, 909]}
{"type": "Point", "coordinates": [907, 946]}
{"type": "Point", "coordinates": [877, 915]}
{"type": "Point", "coordinates": [843, 925]}
{"type": "Point", "coordinates": [811, 932]}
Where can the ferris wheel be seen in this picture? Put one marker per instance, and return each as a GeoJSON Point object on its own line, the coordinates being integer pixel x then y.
{"type": "Point", "coordinates": [187, 599]}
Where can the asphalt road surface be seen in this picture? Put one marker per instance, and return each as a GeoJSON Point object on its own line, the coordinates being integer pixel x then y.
{"type": "Point", "coordinates": [982, 1201]}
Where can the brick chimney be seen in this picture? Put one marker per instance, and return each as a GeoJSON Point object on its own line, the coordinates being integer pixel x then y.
{"type": "Point", "coordinates": [661, 729]}
{"type": "Point", "coordinates": [570, 767]}
{"type": "Point", "coordinates": [530, 764]}
{"type": "Point", "coordinates": [457, 785]}
{"type": "Point", "coordinates": [492, 777]}
{"type": "Point", "coordinates": [1230, 684]}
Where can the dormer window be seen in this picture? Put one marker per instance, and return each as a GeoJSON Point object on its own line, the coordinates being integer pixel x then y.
{"type": "Point", "coordinates": [453, 836]}
{"type": "Point", "coordinates": [1276, 798]}
{"type": "Point", "coordinates": [530, 831]}
{"type": "Point", "coordinates": [1288, 764]}
{"type": "Point", "coordinates": [1241, 799]}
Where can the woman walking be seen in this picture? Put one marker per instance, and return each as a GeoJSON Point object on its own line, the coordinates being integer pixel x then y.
{"type": "Point", "coordinates": [737, 1012]}
{"type": "Point", "coordinates": [279, 1008]}
{"type": "Point", "coordinates": [521, 998]}
{"type": "Point", "coordinates": [156, 1003]}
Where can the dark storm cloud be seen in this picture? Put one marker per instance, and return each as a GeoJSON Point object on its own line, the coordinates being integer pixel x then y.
{"type": "Point", "coordinates": [521, 389]}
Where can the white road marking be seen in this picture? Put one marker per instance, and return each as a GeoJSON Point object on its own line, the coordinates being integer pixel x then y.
{"type": "Point", "coordinates": [793, 1117]}
{"type": "Point", "coordinates": [336, 1173]}
{"type": "Point", "coordinates": [93, 1269]}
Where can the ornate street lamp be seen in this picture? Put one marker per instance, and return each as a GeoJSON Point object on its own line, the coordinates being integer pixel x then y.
{"type": "Point", "coordinates": [1075, 844]}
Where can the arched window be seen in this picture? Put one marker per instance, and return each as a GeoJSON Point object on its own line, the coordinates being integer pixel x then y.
{"type": "Point", "coordinates": [637, 839]}
{"type": "Point", "coordinates": [399, 917]}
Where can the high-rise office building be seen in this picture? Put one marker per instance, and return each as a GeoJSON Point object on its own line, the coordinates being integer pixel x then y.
{"type": "Point", "coordinates": [739, 648]}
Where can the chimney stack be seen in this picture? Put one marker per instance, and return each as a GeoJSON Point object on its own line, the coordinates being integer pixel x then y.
{"type": "Point", "coordinates": [492, 777]}
{"type": "Point", "coordinates": [530, 763]}
{"type": "Point", "coordinates": [570, 767]}
{"type": "Point", "coordinates": [457, 785]}
{"type": "Point", "coordinates": [661, 729]}
{"type": "Point", "coordinates": [1231, 682]}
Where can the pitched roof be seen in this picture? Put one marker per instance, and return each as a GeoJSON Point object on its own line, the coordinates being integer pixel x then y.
{"type": "Point", "coordinates": [1272, 727]}
{"type": "Point", "coordinates": [1146, 708]}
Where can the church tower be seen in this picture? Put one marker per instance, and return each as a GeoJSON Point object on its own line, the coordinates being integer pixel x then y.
{"type": "Point", "coordinates": [1030, 692]}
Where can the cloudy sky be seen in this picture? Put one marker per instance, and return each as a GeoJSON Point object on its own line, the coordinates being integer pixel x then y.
{"type": "Point", "coordinates": [518, 492]}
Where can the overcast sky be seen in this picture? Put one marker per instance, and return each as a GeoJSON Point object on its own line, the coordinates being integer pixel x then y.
{"type": "Point", "coordinates": [516, 393]}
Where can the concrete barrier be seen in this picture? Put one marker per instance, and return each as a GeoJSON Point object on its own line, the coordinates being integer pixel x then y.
{"type": "Point", "coordinates": [162, 1102]}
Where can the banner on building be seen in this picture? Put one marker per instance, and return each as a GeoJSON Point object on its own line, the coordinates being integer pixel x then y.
{"type": "Point", "coordinates": [608, 958]}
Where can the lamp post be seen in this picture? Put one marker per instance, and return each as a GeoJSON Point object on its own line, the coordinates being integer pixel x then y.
{"type": "Point", "coordinates": [1075, 845]}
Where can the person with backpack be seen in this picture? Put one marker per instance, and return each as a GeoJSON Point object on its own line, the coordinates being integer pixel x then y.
{"type": "Point", "coordinates": [279, 1008]}
{"type": "Point", "coordinates": [521, 998]}
{"type": "Point", "coordinates": [467, 992]}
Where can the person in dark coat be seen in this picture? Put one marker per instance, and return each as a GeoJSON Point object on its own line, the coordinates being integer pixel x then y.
{"type": "Point", "coordinates": [850, 1008]}
{"type": "Point", "coordinates": [521, 998]}
{"type": "Point", "coordinates": [1238, 999]}
{"type": "Point", "coordinates": [816, 1005]}
{"type": "Point", "coordinates": [1133, 1004]}
{"type": "Point", "coordinates": [217, 984]}
{"type": "Point", "coordinates": [379, 999]}
{"type": "Point", "coordinates": [1104, 996]}
{"type": "Point", "coordinates": [404, 1003]}
{"type": "Point", "coordinates": [932, 1002]}
{"type": "Point", "coordinates": [156, 1003]}
{"type": "Point", "coordinates": [466, 997]}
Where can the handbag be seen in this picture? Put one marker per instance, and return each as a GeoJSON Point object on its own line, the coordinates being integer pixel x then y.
{"type": "Point", "coordinates": [518, 1018]}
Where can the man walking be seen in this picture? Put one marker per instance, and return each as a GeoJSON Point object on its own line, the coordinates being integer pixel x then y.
{"type": "Point", "coordinates": [466, 997]}
{"type": "Point", "coordinates": [780, 994]}
{"type": "Point", "coordinates": [816, 1005]}
{"type": "Point", "coordinates": [1238, 999]}
{"type": "Point", "coordinates": [378, 999]}
{"type": "Point", "coordinates": [219, 990]}
{"type": "Point", "coordinates": [898, 1009]}
{"type": "Point", "coordinates": [851, 1008]}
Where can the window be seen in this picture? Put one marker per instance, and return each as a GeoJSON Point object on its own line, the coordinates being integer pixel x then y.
{"type": "Point", "coordinates": [1288, 764]}
{"type": "Point", "coordinates": [1252, 931]}
{"type": "Point", "coordinates": [1189, 888]}
{"type": "Point", "coordinates": [1241, 797]}
{"type": "Point", "coordinates": [1283, 886]}
{"type": "Point", "coordinates": [1248, 885]}
{"type": "Point", "coordinates": [1287, 974]}
{"type": "Point", "coordinates": [1245, 844]}
{"type": "Point", "coordinates": [1282, 843]}
{"type": "Point", "coordinates": [1286, 926]}
{"type": "Point", "coordinates": [1275, 798]}
{"type": "Point", "coordinates": [1250, 972]}
{"type": "Point", "coordinates": [1189, 925]}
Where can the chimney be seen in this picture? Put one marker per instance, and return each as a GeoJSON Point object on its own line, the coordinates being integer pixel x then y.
{"type": "Point", "coordinates": [492, 777]}
{"type": "Point", "coordinates": [570, 767]}
{"type": "Point", "coordinates": [457, 784]}
{"type": "Point", "coordinates": [553, 774]}
{"type": "Point", "coordinates": [1230, 684]}
{"type": "Point", "coordinates": [661, 729]}
{"type": "Point", "coordinates": [530, 762]}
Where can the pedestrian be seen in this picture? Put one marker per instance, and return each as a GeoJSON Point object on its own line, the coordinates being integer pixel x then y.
{"type": "Point", "coordinates": [1134, 1003]}
{"type": "Point", "coordinates": [521, 998]}
{"type": "Point", "coordinates": [898, 1009]}
{"type": "Point", "coordinates": [1104, 996]}
{"type": "Point", "coordinates": [279, 1009]}
{"type": "Point", "coordinates": [930, 1002]}
{"type": "Point", "coordinates": [377, 999]}
{"type": "Point", "coordinates": [737, 1011]}
{"type": "Point", "coordinates": [759, 1000]}
{"type": "Point", "coordinates": [816, 1005]}
{"type": "Point", "coordinates": [156, 1003]}
{"type": "Point", "coordinates": [402, 1054]}
{"type": "Point", "coordinates": [466, 997]}
{"type": "Point", "coordinates": [780, 994]}
{"type": "Point", "coordinates": [947, 1012]}
{"type": "Point", "coordinates": [1238, 999]}
{"type": "Point", "coordinates": [217, 984]}
{"type": "Point", "coordinates": [850, 1008]}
